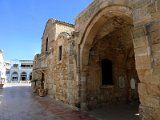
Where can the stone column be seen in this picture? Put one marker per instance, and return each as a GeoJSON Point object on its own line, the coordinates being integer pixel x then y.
{"type": "Point", "coordinates": [83, 91]}
{"type": "Point", "coordinates": [147, 56]}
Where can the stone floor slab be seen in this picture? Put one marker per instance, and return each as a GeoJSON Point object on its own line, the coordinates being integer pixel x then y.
{"type": "Point", "coordinates": [17, 102]}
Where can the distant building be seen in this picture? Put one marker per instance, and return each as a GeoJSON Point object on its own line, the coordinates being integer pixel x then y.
{"type": "Point", "coordinates": [2, 67]}
{"type": "Point", "coordinates": [8, 67]}
{"type": "Point", "coordinates": [20, 70]}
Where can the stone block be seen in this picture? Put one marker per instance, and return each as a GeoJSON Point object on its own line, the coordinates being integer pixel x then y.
{"type": "Point", "coordinates": [143, 62]}
{"type": "Point", "coordinates": [156, 48]}
{"type": "Point", "coordinates": [158, 5]}
{"type": "Point", "coordinates": [156, 57]}
{"type": "Point", "coordinates": [149, 76]}
{"type": "Point", "coordinates": [122, 2]}
{"type": "Point", "coordinates": [155, 26]}
{"type": "Point", "coordinates": [146, 113]}
{"type": "Point", "coordinates": [143, 11]}
{"type": "Point", "coordinates": [50, 86]}
{"type": "Point", "coordinates": [140, 42]}
{"type": "Point", "coordinates": [142, 89]}
{"type": "Point", "coordinates": [149, 113]}
{"type": "Point", "coordinates": [141, 51]}
{"type": "Point", "coordinates": [141, 3]}
{"type": "Point", "coordinates": [142, 73]}
{"type": "Point", "coordinates": [155, 37]}
{"type": "Point", "coordinates": [138, 32]}
{"type": "Point", "coordinates": [153, 90]}
{"type": "Point", "coordinates": [150, 101]}
{"type": "Point", "coordinates": [156, 75]}
{"type": "Point", "coordinates": [157, 114]}
{"type": "Point", "coordinates": [151, 8]}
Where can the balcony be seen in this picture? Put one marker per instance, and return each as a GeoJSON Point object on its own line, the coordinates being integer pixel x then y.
{"type": "Point", "coordinates": [40, 61]}
{"type": "Point", "coordinates": [14, 68]}
{"type": "Point", "coordinates": [26, 67]}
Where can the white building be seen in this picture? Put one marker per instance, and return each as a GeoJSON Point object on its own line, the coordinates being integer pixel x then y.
{"type": "Point", "coordinates": [2, 68]}
{"type": "Point", "coordinates": [8, 67]}
{"type": "Point", "coordinates": [20, 70]}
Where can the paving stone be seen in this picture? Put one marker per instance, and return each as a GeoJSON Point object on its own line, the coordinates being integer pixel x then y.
{"type": "Point", "coordinates": [17, 102]}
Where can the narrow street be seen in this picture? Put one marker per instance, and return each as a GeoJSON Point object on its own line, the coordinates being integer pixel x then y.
{"type": "Point", "coordinates": [17, 102]}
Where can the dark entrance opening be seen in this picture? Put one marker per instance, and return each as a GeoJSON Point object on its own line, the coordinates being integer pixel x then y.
{"type": "Point", "coordinates": [47, 44]}
{"type": "Point", "coordinates": [23, 78]}
{"type": "Point", "coordinates": [60, 53]}
{"type": "Point", "coordinates": [106, 72]}
{"type": "Point", "coordinates": [30, 77]}
{"type": "Point", "coordinates": [42, 81]}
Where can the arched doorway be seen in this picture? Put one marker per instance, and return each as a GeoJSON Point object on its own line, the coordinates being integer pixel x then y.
{"type": "Point", "coordinates": [107, 60]}
{"type": "Point", "coordinates": [14, 76]}
{"type": "Point", "coordinates": [23, 76]}
{"type": "Point", "coordinates": [30, 76]}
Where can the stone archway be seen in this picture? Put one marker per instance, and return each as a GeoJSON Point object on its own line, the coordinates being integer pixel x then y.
{"type": "Point", "coordinates": [30, 76]}
{"type": "Point", "coordinates": [108, 36]}
{"type": "Point", "coordinates": [23, 76]}
{"type": "Point", "coordinates": [14, 76]}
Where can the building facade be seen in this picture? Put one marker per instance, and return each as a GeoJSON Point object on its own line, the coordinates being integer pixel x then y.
{"type": "Point", "coordinates": [8, 67]}
{"type": "Point", "coordinates": [20, 70]}
{"type": "Point", "coordinates": [111, 54]}
{"type": "Point", "coordinates": [2, 68]}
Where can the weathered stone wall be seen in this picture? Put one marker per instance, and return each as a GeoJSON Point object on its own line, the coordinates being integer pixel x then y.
{"type": "Point", "coordinates": [52, 30]}
{"type": "Point", "coordinates": [60, 80]}
{"type": "Point", "coordinates": [117, 47]}
{"type": "Point", "coordinates": [63, 28]}
{"type": "Point", "coordinates": [49, 32]}
{"type": "Point", "coordinates": [147, 48]}
{"type": "Point", "coordinates": [59, 77]}
{"type": "Point", "coordinates": [58, 70]}
{"type": "Point", "coordinates": [39, 67]}
{"type": "Point", "coordinates": [36, 77]}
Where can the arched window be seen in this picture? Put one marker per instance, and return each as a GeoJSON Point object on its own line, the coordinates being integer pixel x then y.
{"type": "Point", "coordinates": [60, 53]}
{"type": "Point", "coordinates": [30, 76]}
{"type": "Point", "coordinates": [47, 44]}
{"type": "Point", "coordinates": [106, 72]}
{"type": "Point", "coordinates": [14, 76]}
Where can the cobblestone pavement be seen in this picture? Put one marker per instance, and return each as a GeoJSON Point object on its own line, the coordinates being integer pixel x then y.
{"type": "Point", "coordinates": [17, 102]}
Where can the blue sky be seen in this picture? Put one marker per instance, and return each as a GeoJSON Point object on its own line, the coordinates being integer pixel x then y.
{"type": "Point", "coordinates": [22, 23]}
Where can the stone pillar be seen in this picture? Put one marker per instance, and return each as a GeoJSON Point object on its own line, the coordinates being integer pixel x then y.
{"type": "Point", "coordinates": [83, 91]}
{"type": "Point", "coordinates": [147, 55]}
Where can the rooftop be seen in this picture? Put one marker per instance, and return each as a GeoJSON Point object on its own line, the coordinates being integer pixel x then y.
{"type": "Point", "coordinates": [61, 22]}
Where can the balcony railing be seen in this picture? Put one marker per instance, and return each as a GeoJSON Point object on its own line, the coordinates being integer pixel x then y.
{"type": "Point", "coordinates": [14, 67]}
{"type": "Point", "coordinates": [26, 67]}
{"type": "Point", "coordinates": [40, 61]}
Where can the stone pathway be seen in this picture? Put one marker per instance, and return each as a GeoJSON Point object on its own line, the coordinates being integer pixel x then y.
{"type": "Point", "coordinates": [117, 112]}
{"type": "Point", "coordinates": [17, 102]}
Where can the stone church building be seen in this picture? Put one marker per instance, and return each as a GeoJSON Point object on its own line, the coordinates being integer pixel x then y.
{"type": "Point", "coordinates": [111, 55]}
